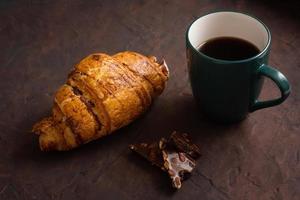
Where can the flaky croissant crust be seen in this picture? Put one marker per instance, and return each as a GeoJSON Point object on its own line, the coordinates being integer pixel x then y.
{"type": "Point", "coordinates": [102, 94]}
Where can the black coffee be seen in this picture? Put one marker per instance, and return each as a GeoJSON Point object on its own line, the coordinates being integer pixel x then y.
{"type": "Point", "coordinates": [228, 48]}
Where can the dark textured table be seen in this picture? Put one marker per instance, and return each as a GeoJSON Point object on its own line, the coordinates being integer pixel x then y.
{"type": "Point", "coordinates": [40, 41]}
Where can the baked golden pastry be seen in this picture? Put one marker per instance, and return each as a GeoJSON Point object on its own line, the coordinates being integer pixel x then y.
{"type": "Point", "coordinates": [102, 94]}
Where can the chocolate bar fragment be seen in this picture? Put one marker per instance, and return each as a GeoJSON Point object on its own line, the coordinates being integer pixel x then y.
{"type": "Point", "coordinates": [177, 160]}
{"type": "Point", "coordinates": [149, 151]}
{"type": "Point", "coordinates": [183, 143]}
{"type": "Point", "coordinates": [179, 166]}
{"type": "Point", "coordinates": [175, 155]}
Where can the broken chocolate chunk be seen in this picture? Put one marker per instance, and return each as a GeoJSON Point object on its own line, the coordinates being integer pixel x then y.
{"type": "Point", "coordinates": [175, 155]}
{"type": "Point", "coordinates": [178, 168]}
{"type": "Point", "coordinates": [177, 159]}
{"type": "Point", "coordinates": [183, 143]}
{"type": "Point", "coordinates": [149, 151]}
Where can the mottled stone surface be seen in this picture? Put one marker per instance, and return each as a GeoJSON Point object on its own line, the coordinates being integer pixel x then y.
{"type": "Point", "coordinates": [41, 40]}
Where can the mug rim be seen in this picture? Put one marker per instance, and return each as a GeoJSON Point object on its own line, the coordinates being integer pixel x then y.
{"type": "Point", "coordinates": [221, 61]}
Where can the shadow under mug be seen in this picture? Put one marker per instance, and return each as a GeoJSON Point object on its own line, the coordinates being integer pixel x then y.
{"type": "Point", "coordinates": [228, 90]}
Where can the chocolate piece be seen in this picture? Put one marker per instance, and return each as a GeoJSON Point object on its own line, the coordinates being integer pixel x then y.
{"type": "Point", "coordinates": [150, 151]}
{"type": "Point", "coordinates": [176, 156]}
{"type": "Point", "coordinates": [177, 162]}
{"type": "Point", "coordinates": [178, 165]}
{"type": "Point", "coordinates": [183, 143]}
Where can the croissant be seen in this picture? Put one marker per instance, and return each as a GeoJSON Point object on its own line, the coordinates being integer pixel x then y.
{"type": "Point", "coordinates": [102, 94]}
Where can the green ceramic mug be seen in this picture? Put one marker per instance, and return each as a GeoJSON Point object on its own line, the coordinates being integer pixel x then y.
{"type": "Point", "coordinates": [228, 90]}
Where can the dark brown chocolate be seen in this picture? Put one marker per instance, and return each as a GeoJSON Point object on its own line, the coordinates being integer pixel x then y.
{"type": "Point", "coordinates": [175, 155]}
{"type": "Point", "coordinates": [149, 151]}
{"type": "Point", "coordinates": [178, 165]}
{"type": "Point", "coordinates": [183, 143]}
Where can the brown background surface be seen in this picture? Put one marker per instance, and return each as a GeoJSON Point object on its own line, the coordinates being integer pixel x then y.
{"type": "Point", "coordinates": [41, 40]}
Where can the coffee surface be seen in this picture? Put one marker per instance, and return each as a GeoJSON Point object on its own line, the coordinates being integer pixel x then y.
{"type": "Point", "coordinates": [228, 48]}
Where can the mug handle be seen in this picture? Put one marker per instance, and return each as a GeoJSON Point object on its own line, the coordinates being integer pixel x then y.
{"type": "Point", "coordinates": [281, 82]}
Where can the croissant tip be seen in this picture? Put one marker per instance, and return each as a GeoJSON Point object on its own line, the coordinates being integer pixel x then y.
{"type": "Point", "coordinates": [35, 130]}
{"type": "Point", "coordinates": [164, 68]}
